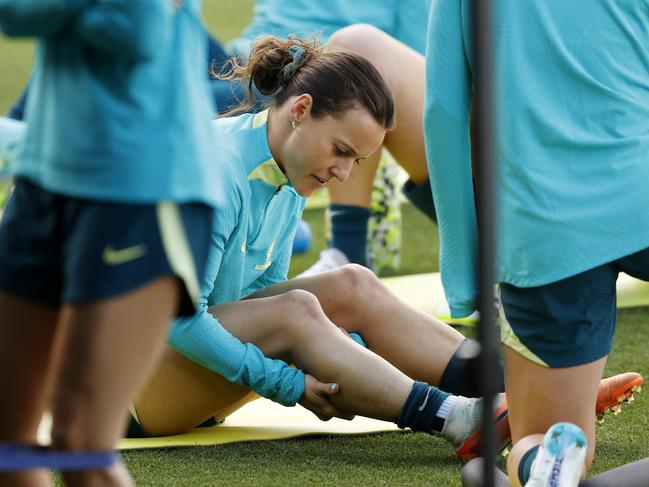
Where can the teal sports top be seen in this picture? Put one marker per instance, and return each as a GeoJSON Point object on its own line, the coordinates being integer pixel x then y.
{"type": "Point", "coordinates": [119, 106]}
{"type": "Point", "coordinates": [572, 139]}
{"type": "Point", "coordinates": [404, 20]}
{"type": "Point", "coordinates": [251, 249]}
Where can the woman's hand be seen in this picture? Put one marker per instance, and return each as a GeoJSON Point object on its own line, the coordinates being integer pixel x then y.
{"type": "Point", "coordinates": [316, 398]}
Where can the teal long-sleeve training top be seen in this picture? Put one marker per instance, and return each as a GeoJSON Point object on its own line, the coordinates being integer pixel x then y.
{"type": "Point", "coordinates": [251, 249]}
{"type": "Point", "coordinates": [119, 107]}
{"type": "Point", "coordinates": [405, 20]}
{"type": "Point", "coordinates": [571, 85]}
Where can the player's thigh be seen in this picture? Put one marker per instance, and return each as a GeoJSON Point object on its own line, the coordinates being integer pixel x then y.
{"type": "Point", "coordinates": [29, 300]}
{"type": "Point", "coordinates": [540, 396]}
{"type": "Point", "coordinates": [27, 356]}
{"type": "Point", "coordinates": [557, 338]}
{"type": "Point", "coordinates": [109, 347]}
{"type": "Point", "coordinates": [403, 69]}
{"type": "Point", "coordinates": [182, 394]}
{"type": "Point", "coordinates": [276, 324]}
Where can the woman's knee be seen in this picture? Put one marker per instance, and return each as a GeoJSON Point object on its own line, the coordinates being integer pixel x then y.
{"type": "Point", "coordinates": [355, 289]}
{"type": "Point", "coordinates": [70, 426]}
{"type": "Point", "coordinates": [363, 39]}
{"type": "Point", "coordinates": [357, 282]}
{"type": "Point", "coordinates": [302, 316]}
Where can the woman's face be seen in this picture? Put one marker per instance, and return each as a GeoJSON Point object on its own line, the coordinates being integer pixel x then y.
{"type": "Point", "coordinates": [318, 150]}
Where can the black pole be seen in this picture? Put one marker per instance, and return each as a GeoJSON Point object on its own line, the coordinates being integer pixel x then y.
{"type": "Point", "coordinates": [484, 182]}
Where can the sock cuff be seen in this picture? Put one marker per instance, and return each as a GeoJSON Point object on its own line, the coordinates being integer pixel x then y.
{"type": "Point", "coordinates": [446, 407]}
{"type": "Point", "coordinates": [351, 209]}
{"type": "Point", "coordinates": [418, 390]}
{"type": "Point", "coordinates": [419, 412]}
{"type": "Point", "coordinates": [349, 231]}
{"type": "Point", "coordinates": [421, 196]}
{"type": "Point", "coordinates": [525, 465]}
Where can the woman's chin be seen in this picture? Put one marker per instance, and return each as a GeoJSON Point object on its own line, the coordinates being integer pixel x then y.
{"type": "Point", "coordinates": [305, 192]}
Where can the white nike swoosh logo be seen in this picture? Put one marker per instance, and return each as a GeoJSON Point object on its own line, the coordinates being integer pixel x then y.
{"type": "Point", "coordinates": [423, 404]}
{"type": "Point", "coordinates": [335, 213]}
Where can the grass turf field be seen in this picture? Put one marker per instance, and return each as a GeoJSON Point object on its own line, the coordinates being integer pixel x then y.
{"type": "Point", "coordinates": [390, 459]}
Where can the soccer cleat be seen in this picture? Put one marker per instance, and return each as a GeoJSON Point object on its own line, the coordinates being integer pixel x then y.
{"type": "Point", "coordinates": [463, 427]}
{"type": "Point", "coordinates": [330, 258]}
{"type": "Point", "coordinates": [613, 392]}
{"type": "Point", "coordinates": [616, 390]}
{"type": "Point", "coordinates": [560, 458]}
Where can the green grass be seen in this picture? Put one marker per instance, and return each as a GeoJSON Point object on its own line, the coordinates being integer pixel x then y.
{"type": "Point", "coordinates": [389, 459]}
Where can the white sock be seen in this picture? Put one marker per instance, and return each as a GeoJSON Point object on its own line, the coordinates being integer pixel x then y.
{"type": "Point", "coordinates": [446, 407]}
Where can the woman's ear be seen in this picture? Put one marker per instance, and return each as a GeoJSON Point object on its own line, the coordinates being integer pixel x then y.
{"type": "Point", "coordinates": [300, 108]}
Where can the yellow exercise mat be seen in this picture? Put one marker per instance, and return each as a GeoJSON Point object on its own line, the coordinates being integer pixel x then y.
{"type": "Point", "coordinates": [425, 292]}
{"type": "Point", "coordinates": [259, 420]}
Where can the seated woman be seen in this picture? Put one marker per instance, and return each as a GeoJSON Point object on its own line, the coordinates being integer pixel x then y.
{"type": "Point", "coordinates": [328, 112]}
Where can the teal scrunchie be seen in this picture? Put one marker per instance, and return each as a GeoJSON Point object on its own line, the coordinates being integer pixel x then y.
{"type": "Point", "coordinates": [299, 58]}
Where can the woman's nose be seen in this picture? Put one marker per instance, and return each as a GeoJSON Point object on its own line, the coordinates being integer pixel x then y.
{"type": "Point", "coordinates": [342, 170]}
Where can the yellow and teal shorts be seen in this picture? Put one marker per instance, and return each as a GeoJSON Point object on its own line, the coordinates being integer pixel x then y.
{"type": "Point", "coordinates": [569, 322]}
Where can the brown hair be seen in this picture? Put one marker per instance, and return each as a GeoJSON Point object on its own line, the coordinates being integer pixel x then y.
{"type": "Point", "coordinates": [337, 81]}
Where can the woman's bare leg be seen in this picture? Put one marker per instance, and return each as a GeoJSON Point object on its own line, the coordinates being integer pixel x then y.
{"type": "Point", "coordinates": [182, 394]}
{"type": "Point", "coordinates": [108, 348]}
{"type": "Point", "coordinates": [539, 397]}
{"type": "Point", "coordinates": [27, 333]}
{"type": "Point", "coordinates": [353, 298]}
{"type": "Point", "coordinates": [403, 70]}
{"type": "Point", "coordinates": [292, 327]}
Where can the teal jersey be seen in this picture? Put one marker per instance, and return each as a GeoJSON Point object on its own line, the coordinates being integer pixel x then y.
{"type": "Point", "coordinates": [572, 145]}
{"type": "Point", "coordinates": [251, 248]}
{"type": "Point", "coordinates": [404, 20]}
{"type": "Point", "coordinates": [119, 105]}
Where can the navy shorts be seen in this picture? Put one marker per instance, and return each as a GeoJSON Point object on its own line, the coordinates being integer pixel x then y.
{"type": "Point", "coordinates": [57, 249]}
{"type": "Point", "coordinates": [569, 322]}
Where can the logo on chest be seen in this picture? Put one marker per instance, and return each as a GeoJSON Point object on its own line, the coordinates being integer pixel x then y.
{"type": "Point", "coordinates": [269, 255]}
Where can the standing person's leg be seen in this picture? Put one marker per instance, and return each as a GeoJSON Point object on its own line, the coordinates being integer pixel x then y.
{"type": "Point", "coordinates": [557, 338]}
{"type": "Point", "coordinates": [532, 392]}
{"type": "Point", "coordinates": [27, 334]}
{"type": "Point", "coordinates": [108, 350]}
{"type": "Point", "coordinates": [403, 70]}
{"type": "Point", "coordinates": [29, 309]}
{"type": "Point", "coordinates": [128, 269]}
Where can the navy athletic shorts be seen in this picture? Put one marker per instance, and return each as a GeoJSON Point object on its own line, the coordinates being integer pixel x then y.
{"type": "Point", "coordinates": [569, 322]}
{"type": "Point", "coordinates": [56, 249]}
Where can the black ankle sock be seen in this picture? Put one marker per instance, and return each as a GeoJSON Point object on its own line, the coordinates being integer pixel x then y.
{"type": "Point", "coordinates": [462, 375]}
